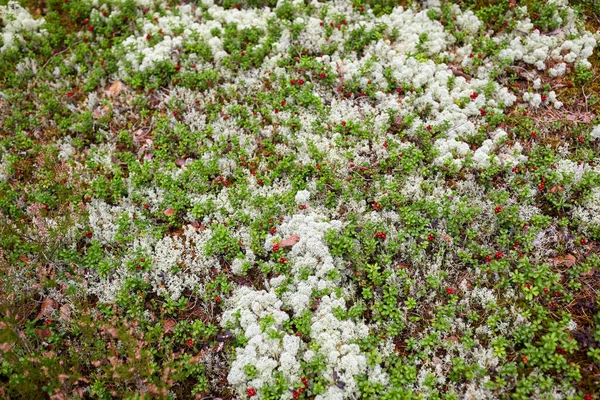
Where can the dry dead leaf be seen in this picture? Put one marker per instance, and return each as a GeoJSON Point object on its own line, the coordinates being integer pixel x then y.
{"type": "Point", "coordinates": [169, 212]}
{"type": "Point", "coordinates": [115, 89]}
{"type": "Point", "coordinates": [100, 112]}
{"type": "Point", "coordinates": [44, 333]}
{"type": "Point", "coordinates": [589, 273]}
{"type": "Point", "coordinates": [569, 260]}
{"type": "Point", "coordinates": [453, 339]}
{"type": "Point", "coordinates": [168, 325]}
{"type": "Point", "coordinates": [48, 305]}
{"type": "Point", "coordinates": [65, 313]}
{"type": "Point", "coordinates": [292, 240]}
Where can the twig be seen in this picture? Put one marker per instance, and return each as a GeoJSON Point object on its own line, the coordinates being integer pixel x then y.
{"type": "Point", "coordinates": [457, 72]}
{"type": "Point", "coordinates": [46, 63]}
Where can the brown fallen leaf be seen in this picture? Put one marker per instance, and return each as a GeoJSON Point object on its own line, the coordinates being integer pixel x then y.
{"type": "Point", "coordinates": [65, 313]}
{"type": "Point", "coordinates": [100, 112]}
{"type": "Point", "coordinates": [589, 273]}
{"type": "Point", "coordinates": [169, 212]}
{"type": "Point", "coordinates": [168, 325]}
{"type": "Point", "coordinates": [292, 240]}
{"type": "Point", "coordinates": [48, 305]}
{"type": "Point", "coordinates": [44, 333]}
{"type": "Point", "coordinates": [115, 89]}
{"type": "Point", "coordinates": [569, 260]}
{"type": "Point", "coordinates": [453, 339]}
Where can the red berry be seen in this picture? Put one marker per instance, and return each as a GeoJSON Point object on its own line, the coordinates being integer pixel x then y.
{"type": "Point", "coordinates": [430, 238]}
{"type": "Point", "coordinates": [89, 234]}
{"type": "Point", "coordinates": [251, 392]}
{"type": "Point", "coordinates": [583, 241]}
{"type": "Point", "coordinates": [588, 396]}
{"type": "Point", "coordinates": [488, 258]}
{"type": "Point", "coordinates": [218, 299]}
{"type": "Point", "coordinates": [90, 28]}
{"type": "Point", "coordinates": [499, 255]}
{"type": "Point", "coordinates": [497, 209]}
{"type": "Point", "coordinates": [474, 95]}
{"type": "Point", "coordinates": [86, 21]}
{"type": "Point", "coordinates": [302, 207]}
{"type": "Point", "coordinates": [189, 343]}
{"type": "Point", "coordinates": [544, 97]}
{"type": "Point", "coordinates": [482, 112]}
{"type": "Point", "coordinates": [450, 291]}
{"type": "Point", "coordinates": [275, 247]}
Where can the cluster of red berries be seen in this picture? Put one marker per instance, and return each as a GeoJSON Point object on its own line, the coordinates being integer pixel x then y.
{"type": "Point", "coordinates": [381, 235]}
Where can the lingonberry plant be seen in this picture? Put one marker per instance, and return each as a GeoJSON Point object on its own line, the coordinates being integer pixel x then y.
{"type": "Point", "coordinates": [299, 200]}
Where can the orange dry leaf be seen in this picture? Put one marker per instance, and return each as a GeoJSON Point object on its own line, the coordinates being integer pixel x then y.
{"type": "Point", "coordinates": [169, 212]}
{"type": "Point", "coordinates": [168, 325]}
{"type": "Point", "coordinates": [569, 260]}
{"type": "Point", "coordinates": [115, 89]}
{"type": "Point", "coordinates": [48, 305]}
{"type": "Point", "coordinates": [292, 240]}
